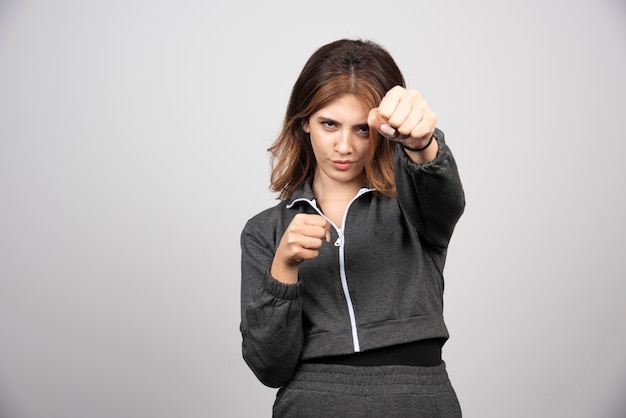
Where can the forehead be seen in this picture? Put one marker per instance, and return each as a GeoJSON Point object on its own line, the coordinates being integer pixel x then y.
{"type": "Point", "coordinates": [347, 106]}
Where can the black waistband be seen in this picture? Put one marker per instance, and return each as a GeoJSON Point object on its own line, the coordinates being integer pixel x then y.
{"type": "Point", "coordinates": [424, 353]}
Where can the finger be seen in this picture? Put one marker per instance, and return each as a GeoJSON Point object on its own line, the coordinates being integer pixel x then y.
{"type": "Point", "coordinates": [413, 122]}
{"type": "Point", "coordinates": [304, 254]}
{"type": "Point", "coordinates": [375, 120]}
{"type": "Point", "coordinates": [391, 133]}
{"type": "Point", "coordinates": [305, 248]}
{"type": "Point", "coordinates": [426, 127]}
{"type": "Point", "coordinates": [389, 102]}
{"type": "Point", "coordinates": [421, 121]}
{"type": "Point", "coordinates": [299, 246]}
{"type": "Point", "coordinates": [311, 243]}
{"type": "Point", "coordinates": [400, 111]}
{"type": "Point", "coordinates": [317, 231]}
{"type": "Point", "coordinates": [310, 225]}
{"type": "Point", "coordinates": [377, 123]}
{"type": "Point", "coordinates": [309, 219]}
{"type": "Point", "coordinates": [315, 220]}
{"type": "Point", "coordinates": [408, 104]}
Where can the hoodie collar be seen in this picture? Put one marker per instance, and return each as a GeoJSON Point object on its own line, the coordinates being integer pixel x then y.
{"type": "Point", "coordinates": [304, 192]}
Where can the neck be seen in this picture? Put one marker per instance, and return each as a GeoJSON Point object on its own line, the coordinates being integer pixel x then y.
{"type": "Point", "coordinates": [335, 192]}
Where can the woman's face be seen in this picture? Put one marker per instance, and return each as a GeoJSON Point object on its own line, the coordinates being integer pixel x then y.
{"type": "Point", "coordinates": [340, 140]}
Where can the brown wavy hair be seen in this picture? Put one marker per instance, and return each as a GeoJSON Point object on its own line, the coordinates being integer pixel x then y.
{"type": "Point", "coordinates": [359, 67]}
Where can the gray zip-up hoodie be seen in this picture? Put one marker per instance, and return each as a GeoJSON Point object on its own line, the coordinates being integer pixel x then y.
{"type": "Point", "coordinates": [378, 282]}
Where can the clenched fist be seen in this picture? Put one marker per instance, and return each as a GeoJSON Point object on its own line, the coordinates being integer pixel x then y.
{"type": "Point", "coordinates": [301, 241]}
{"type": "Point", "coordinates": [404, 116]}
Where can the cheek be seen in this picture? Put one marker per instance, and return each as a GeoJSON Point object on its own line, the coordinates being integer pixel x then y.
{"type": "Point", "coordinates": [363, 146]}
{"type": "Point", "coordinates": [321, 140]}
{"type": "Point", "coordinates": [318, 144]}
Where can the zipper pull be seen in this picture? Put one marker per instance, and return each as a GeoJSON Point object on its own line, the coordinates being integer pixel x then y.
{"type": "Point", "coordinates": [339, 238]}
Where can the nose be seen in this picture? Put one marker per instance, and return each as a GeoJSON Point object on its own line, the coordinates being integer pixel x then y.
{"type": "Point", "coordinates": [343, 145]}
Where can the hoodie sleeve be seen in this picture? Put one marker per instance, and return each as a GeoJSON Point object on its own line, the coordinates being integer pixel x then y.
{"type": "Point", "coordinates": [431, 195]}
{"type": "Point", "coordinates": [271, 311]}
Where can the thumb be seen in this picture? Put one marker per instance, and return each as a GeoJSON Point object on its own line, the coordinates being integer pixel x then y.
{"type": "Point", "coordinates": [374, 119]}
{"type": "Point", "coordinates": [377, 122]}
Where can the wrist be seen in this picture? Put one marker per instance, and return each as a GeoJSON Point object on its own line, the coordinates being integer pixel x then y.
{"type": "Point", "coordinates": [419, 149]}
{"type": "Point", "coordinates": [285, 272]}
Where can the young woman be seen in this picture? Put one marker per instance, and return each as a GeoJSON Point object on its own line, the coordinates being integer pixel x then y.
{"type": "Point", "coordinates": [342, 284]}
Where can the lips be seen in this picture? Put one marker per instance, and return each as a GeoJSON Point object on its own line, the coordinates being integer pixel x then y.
{"type": "Point", "coordinates": [343, 164]}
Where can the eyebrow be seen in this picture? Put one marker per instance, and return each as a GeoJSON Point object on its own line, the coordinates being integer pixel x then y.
{"type": "Point", "coordinates": [327, 119]}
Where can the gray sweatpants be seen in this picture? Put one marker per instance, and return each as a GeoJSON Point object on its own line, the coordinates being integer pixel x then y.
{"type": "Point", "coordinates": [327, 390]}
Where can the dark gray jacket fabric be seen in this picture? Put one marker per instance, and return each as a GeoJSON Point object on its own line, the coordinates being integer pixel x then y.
{"type": "Point", "coordinates": [378, 282]}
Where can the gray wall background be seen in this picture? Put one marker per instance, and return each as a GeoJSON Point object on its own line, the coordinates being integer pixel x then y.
{"type": "Point", "coordinates": [132, 151]}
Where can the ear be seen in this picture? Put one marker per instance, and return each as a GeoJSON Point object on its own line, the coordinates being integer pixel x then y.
{"type": "Point", "coordinates": [305, 126]}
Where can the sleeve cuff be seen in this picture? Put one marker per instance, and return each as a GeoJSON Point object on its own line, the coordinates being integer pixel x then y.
{"type": "Point", "coordinates": [282, 290]}
{"type": "Point", "coordinates": [431, 166]}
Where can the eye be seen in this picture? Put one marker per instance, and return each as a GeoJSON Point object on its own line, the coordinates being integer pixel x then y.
{"type": "Point", "coordinates": [363, 130]}
{"type": "Point", "coordinates": [328, 124]}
